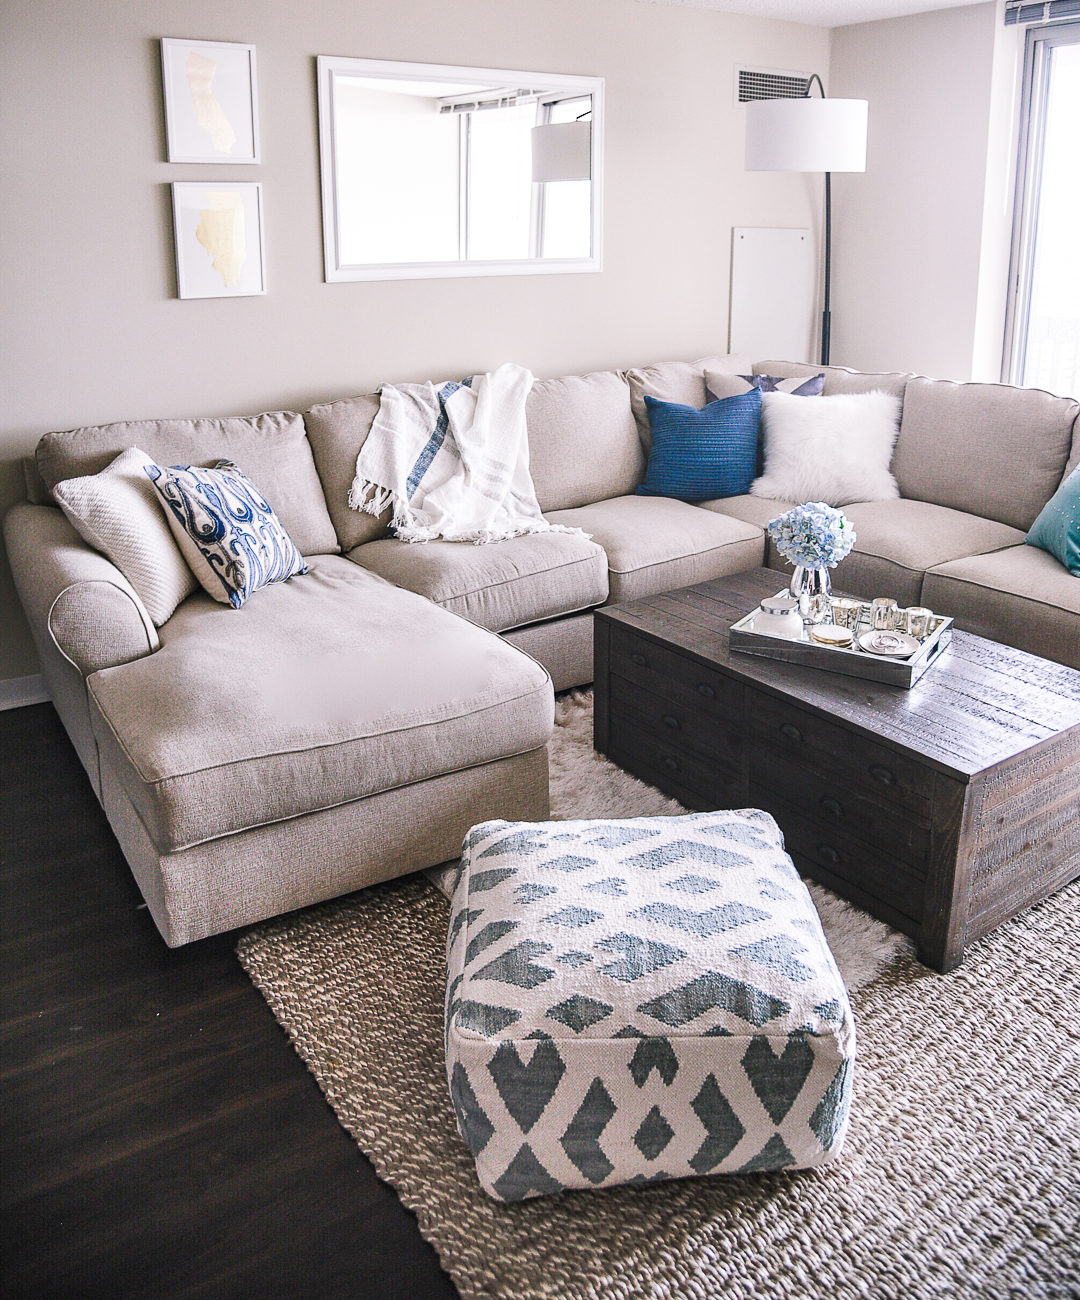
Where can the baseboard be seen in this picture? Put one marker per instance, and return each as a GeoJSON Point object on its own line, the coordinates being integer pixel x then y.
{"type": "Point", "coordinates": [15, 692]}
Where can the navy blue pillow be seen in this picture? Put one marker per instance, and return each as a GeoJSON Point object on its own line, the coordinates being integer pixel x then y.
{"type": "Point", "coordinates": [701, 455]}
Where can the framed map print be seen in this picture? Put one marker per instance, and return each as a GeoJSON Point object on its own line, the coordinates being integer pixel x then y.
{"type": "Point", "coordinates": [211, 101]}
{"type": "Point", "coordinates": [219, 239]}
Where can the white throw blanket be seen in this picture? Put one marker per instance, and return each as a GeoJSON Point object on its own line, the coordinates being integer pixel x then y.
{"type": "Point", "coordinates": [452, 460]}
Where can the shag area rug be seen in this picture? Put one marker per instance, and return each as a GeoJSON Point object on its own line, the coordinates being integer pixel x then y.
{"type": "Point", "coordinates": [961, 1173]}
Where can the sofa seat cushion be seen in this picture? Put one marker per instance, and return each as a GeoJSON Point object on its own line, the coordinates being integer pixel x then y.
{"type": "Point", "coordinates": [325, 689]}
{"type": "Point", "coordinates": [897, 541]}
{"type": "Point", "coordinates": [754, 510]}
{"type": "Point", "coordinates": [1021, 596]}
{"type": "Point", "coordinates": [500, 585]}
{"type": "Point", "coordinates": [657, 544]}
{"type": "Point", "coordinates": [271, 449]}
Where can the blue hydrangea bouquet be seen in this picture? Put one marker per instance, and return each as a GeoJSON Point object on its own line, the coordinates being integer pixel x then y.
{"type": "Point", "coordinates": [814, 538]}
{"type": "Point", "coordinates": [813, 535]}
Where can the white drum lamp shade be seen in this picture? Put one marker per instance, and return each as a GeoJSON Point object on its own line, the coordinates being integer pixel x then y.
{"type": "Point", "coordinates": [562, 151]}
{"type": "Point", "coordinates": [806, 135]}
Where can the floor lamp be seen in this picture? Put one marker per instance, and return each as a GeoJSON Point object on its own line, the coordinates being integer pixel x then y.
{"type": "Point", "coordinates": [809, 135]}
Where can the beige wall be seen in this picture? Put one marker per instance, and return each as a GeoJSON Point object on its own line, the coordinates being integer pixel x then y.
{"type": "Point", "coordinates": [921, 238]}
{"type": "Point", "coordinates": [94, 333]}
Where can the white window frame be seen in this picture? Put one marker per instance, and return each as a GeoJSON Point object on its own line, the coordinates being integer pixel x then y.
{"type": "Point", "coordinates": [1038, 44]}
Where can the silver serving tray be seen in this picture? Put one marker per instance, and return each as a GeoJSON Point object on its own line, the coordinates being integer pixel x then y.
{"type": "Point", "coordinates": [852, 663]}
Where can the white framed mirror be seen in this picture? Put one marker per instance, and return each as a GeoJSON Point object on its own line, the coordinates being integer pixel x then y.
{"type": "Point", "coordinates": [430, 170]}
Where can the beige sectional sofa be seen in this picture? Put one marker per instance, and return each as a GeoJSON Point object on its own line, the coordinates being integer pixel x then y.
{"type": "Point", "coordinates": [351, 724]}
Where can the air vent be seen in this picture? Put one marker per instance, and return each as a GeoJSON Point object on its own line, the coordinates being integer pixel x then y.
{"type": "Point", "coordinates": [769, 83]}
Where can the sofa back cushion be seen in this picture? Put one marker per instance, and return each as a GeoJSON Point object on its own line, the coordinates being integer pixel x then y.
{"type": "Point", "coordinates": [682, 382]}
{"type": "Point", "coordinates": [583, 442]}
{"type": "Point", "coordinates": [37, 491]}
{"type": "Point", "coordinates": [990, 449]}
{"type": "Point", "coordinates": [1074, 455]}
{"type": "Point", "coordinates": [271, 450]}
{"type": "Point", "coordinates": [838, 379]}
{"type": "Point", "coordinates": [337, 431]}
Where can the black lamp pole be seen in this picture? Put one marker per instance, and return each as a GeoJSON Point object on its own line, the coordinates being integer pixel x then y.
{"type": "Point", "coordinates": [826, 315]}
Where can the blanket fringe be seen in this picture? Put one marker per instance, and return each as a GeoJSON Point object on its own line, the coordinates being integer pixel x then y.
{"type": "Point", "coordinates": [370, 498]}
{"type": "Point", "coordinates": [406, 532]}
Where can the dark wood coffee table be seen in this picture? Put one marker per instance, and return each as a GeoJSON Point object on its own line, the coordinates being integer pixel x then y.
{"type": "Point", "coordinates": [944, 810]}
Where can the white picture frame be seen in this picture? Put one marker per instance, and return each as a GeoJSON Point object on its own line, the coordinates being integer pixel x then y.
{"type": "Point", "coordinates": [219, 239]}
{"type": "Point", "coordinates": [211, 101]}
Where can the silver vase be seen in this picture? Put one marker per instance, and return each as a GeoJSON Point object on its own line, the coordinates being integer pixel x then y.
{"type": "Point", "coordinates": [811, 588]}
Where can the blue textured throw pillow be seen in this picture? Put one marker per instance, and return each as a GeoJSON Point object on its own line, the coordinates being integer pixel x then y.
{"type": "Point", "coordinates": [226, 529]}
{"type": "Point", "coordinates": [701, 455]}
{"type": "Point", "coordinates": [1057, 528]}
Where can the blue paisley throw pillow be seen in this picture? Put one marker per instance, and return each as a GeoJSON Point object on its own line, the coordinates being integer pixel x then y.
{"type": "Point", "coordinates": [226, 529]}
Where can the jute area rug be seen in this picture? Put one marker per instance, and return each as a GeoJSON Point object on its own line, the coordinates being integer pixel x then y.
{"type": "Point", "coordinates": [961, 1173]}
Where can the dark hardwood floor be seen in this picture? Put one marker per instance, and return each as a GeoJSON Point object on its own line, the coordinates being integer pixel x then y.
{"type": "Point", "coordinates": [160, 1136]}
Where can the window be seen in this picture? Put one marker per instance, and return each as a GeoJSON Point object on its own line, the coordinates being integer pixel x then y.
{"type": "Point", "coordinates": [498, 182]}
{"type": "Point", "coordinates": [1042, 348]}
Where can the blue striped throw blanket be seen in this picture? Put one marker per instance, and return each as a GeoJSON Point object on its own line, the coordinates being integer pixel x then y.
{"type": "Point", "coordinates": [452, 459]}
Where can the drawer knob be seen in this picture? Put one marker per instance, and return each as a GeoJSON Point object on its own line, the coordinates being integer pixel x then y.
{"type": "Point", "coordinates": [707, 691]}
{"type": "Point", "coordinates": [831, 805]}
{"type": "Point", "coordinates": [672, 722]}
{"type": "Point", "coordinates": [672, 763]}
{"type": "Point", "coordinates": [830, 855]}
{"type": "Point", "coordinates": [791, 731]}
{"type": "Point", "coordinates": [638, 658]}
{"type": "Point", "coordinates": [882, 774]}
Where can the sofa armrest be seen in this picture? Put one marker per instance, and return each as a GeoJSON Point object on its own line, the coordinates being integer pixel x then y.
{"type": "Point", "coordinates": [74, 596]}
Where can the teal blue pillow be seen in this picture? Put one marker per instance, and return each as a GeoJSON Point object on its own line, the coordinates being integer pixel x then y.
{"type": "Point", "coordinates": [701, 455]}
{"type": "Point", "coordinates": [1057, 528]}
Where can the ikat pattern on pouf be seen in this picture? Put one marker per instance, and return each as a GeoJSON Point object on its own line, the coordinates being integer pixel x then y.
{"type": "Point", "coordinates": [637, 1000]}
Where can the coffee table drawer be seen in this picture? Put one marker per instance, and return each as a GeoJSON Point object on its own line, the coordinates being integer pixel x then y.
{"type": "Point", "coordinates": [673, 769]}
{"type": "Point", "coordinates": [842, 856]}
{"type": "Point", "coordinates": [678, 724]}
{"type": "Point", "coordinates": [842, 755]}
{"type": "Point", "coordinates": [674, 676]}
{"type": "Point", "coordinates": [842, 805]}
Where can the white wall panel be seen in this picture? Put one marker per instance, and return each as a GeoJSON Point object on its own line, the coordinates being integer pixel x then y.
{"type": "Point", "coordinates": [772, 282]}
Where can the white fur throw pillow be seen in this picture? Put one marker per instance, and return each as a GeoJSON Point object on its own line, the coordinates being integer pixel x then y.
{"type": "Point", "coordinates": [119, 512]}
{"type": "Point", "coordinates": [836, 449]}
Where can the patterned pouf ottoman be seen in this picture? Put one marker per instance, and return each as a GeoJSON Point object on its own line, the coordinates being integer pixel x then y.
{"type": "Point", "coordinates": [630, 1001]}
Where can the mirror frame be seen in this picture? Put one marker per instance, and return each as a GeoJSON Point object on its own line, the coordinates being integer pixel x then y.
{"type": "Point", "coordinates": [330, 66]}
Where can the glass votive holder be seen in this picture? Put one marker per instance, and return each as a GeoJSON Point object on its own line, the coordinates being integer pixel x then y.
{"type": "Point", "coordinates": [883, 614]}
{"type": "Point", "coordinates": [917, 621]}
{"type": "Point", "coordinates": [845, 612]}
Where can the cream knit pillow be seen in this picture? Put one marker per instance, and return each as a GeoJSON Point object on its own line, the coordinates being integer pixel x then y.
{"type": "Point", "coordinates": [119, 512]}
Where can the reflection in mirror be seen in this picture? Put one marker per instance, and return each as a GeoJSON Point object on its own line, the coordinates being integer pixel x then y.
{"type": "Point", "coordinates": [434, 171]}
